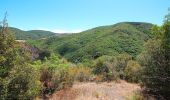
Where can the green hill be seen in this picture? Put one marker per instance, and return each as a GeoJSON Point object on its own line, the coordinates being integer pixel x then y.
{"type": "Point", "coordinates": [126, 37]}
{"type": "Point", "coordinates": [33, 34]}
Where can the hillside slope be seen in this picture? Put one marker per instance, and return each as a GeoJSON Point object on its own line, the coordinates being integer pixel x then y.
{"type": "Point", "coordinates": [33, 34]}
{"type": "Point", "coordinates": [127, 37]}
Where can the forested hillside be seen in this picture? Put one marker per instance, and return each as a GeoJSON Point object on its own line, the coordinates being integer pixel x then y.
{"type": "Point", "coordinates": [49, 66]}
{"type": "Point", "coordinates": [32, 34]}
{"type": "Point", "coordinates": [121, 38]}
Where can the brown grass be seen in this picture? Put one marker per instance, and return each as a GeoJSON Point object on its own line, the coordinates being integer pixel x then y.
{"type": "Point", "coordinates": [97, 91]}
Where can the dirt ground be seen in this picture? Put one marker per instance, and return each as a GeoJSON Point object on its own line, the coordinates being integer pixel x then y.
{"type": "Point", "coordinates": [97, 91]}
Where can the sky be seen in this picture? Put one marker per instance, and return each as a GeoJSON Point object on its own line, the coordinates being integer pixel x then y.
{"type": "Point", "coordinates": [63, 16]}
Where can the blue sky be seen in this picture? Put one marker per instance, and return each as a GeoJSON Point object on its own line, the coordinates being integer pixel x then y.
{"type": "Point", "coordinates": [78, 15]}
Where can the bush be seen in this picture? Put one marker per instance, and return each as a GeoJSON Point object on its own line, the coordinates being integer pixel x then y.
{"type": "Point", "coordinates": [132, 71]}
{"type": "Point", "coordinates": [155, 61]}
{"type": "Point", "coordinates": [23, 83]}
{"type": "Point", "coordinates": [18, 79]}
{"type": "Point", "coordinates": [2, 88]}
{"type": "Point", "coordinates": [81, 73]}
{"type": "Point", "coordinates": [154, 73]}
{"type": "Point", "coordinates": [54, 74]}
{"type": "Point", "coordinates": [121, 63]}
{"type": "Point", "coordinates": [105, 67]}
{"type": "Point", "coordinates": [62, 79]}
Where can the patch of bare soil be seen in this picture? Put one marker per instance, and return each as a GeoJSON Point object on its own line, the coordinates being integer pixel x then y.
{"type": "Point", "coordinates": [97, 91]}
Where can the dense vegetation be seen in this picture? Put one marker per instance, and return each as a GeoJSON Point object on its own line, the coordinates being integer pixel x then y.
{"type": "Point", "coordinates": [127, 37]}
{"type": "Point", "coordinates": [155, 61]}
{"type": "Point", "coordinates": [33, 34]}
{"type": "Point", "coordinates": [136, 52]}
{"type": "Point", "coordinates": [17, 78]}
{"type": "Point", "coordinates": [24, 79]}
{"type": "Point", "coordinates": [133, 51]}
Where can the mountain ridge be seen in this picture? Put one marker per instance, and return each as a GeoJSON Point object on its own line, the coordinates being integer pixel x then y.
{"type": "Point", "coordinates": [120, 38]}
{"type": "Point", "coordinates": [30, 34]}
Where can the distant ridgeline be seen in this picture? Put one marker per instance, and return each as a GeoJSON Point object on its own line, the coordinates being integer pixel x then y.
{"type": "Point", "coordinates": [125, 37]}
{"type": "Point", "coordinates": [32, 34]}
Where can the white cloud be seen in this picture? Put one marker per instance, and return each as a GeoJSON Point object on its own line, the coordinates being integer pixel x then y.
{"type": "Point", "coordinates": [66, 31]}
{"type": "Point", "coordinates": [61, 30]}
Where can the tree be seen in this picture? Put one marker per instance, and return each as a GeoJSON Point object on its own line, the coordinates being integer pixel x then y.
{"type": "Point", "coordinates": [18, 80]}
{"type": "Point", "coordinates": [8, 55]}
{"type": "Point", "coordinates": [156, 62]}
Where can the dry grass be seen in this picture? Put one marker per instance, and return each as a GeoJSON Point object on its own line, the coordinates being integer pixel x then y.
{"type": "Point", "coordinates": [97, 91]}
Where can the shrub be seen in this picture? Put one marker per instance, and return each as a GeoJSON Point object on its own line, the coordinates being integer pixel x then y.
{"type": "Point", "coordinates": [3, 92]}
{"type": "Point", "coordinates": [18, 80]}
{"type": "Point", "coordinates": [105, 67]}
{"type": "Point", "coordinates": [23, 83]}
{"type": "Point", "coordinates": [54, 74]}
{"type": "Point", "coordinates": [132, 71]}
{"type": "Point", "coordinates": [155, 61]}
{"type": "Point", "coordinates": [62, 79]}
{"type": "Point", "coordinates": [82, 73]}
{"type": "Point", "coordinates": [121, 63]}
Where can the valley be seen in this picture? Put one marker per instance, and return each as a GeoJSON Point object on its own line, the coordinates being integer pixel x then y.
{"type": "Point", "coordinates": [90, 50]}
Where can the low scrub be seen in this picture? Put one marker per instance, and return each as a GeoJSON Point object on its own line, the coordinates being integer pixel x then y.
{"type": "Point", "coordinates": [82, 74]}
{"type": "Point", "coordinates": [54, 74]}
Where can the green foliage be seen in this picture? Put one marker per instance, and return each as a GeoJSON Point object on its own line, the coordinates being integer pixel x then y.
{"type": "Point", "coordinates": [33, 34]}
{"type": "Point", "coordinates": [100, 65]}
{"type": "Point", "coordinates": [17, 80]}
{"type": "Point", "coordinates": [62, 79]}
{"type": "Point", "coordinates": [105, 67]}
{"type": "Point", "coordinates": [157, 32]}
{"type": "Point", "coordinates": [44, 54]}
{"type": "Point", "coordinates": [2, 88]}
{"type": "Point", "coordinates": [155, 61]}
{"type": "Point", "coordinates": [23, 83]}
{"type": "Point", "coordinates": [8, 54]}
{"type": "Point", "coordinates": [153, 73]}
{"type": "Point", "coordinates": [8, 57]}
{"type": "Point", "coordinates": [167, 17]}
{"type": "Point", "coordinates": [137, 96]}
{"type": "Point", "coordinates": [81, 73]}
{"type": "Point", "coordinates": [54, 71]}
{"type": "Point", "coordinates": [132, 71]}
{"type": "Point", "coordinates": [121, 64]}
{"type": "Point", "coordinates": [149, 60]}
{"type": "Point", "coordinates": [127, 37]}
